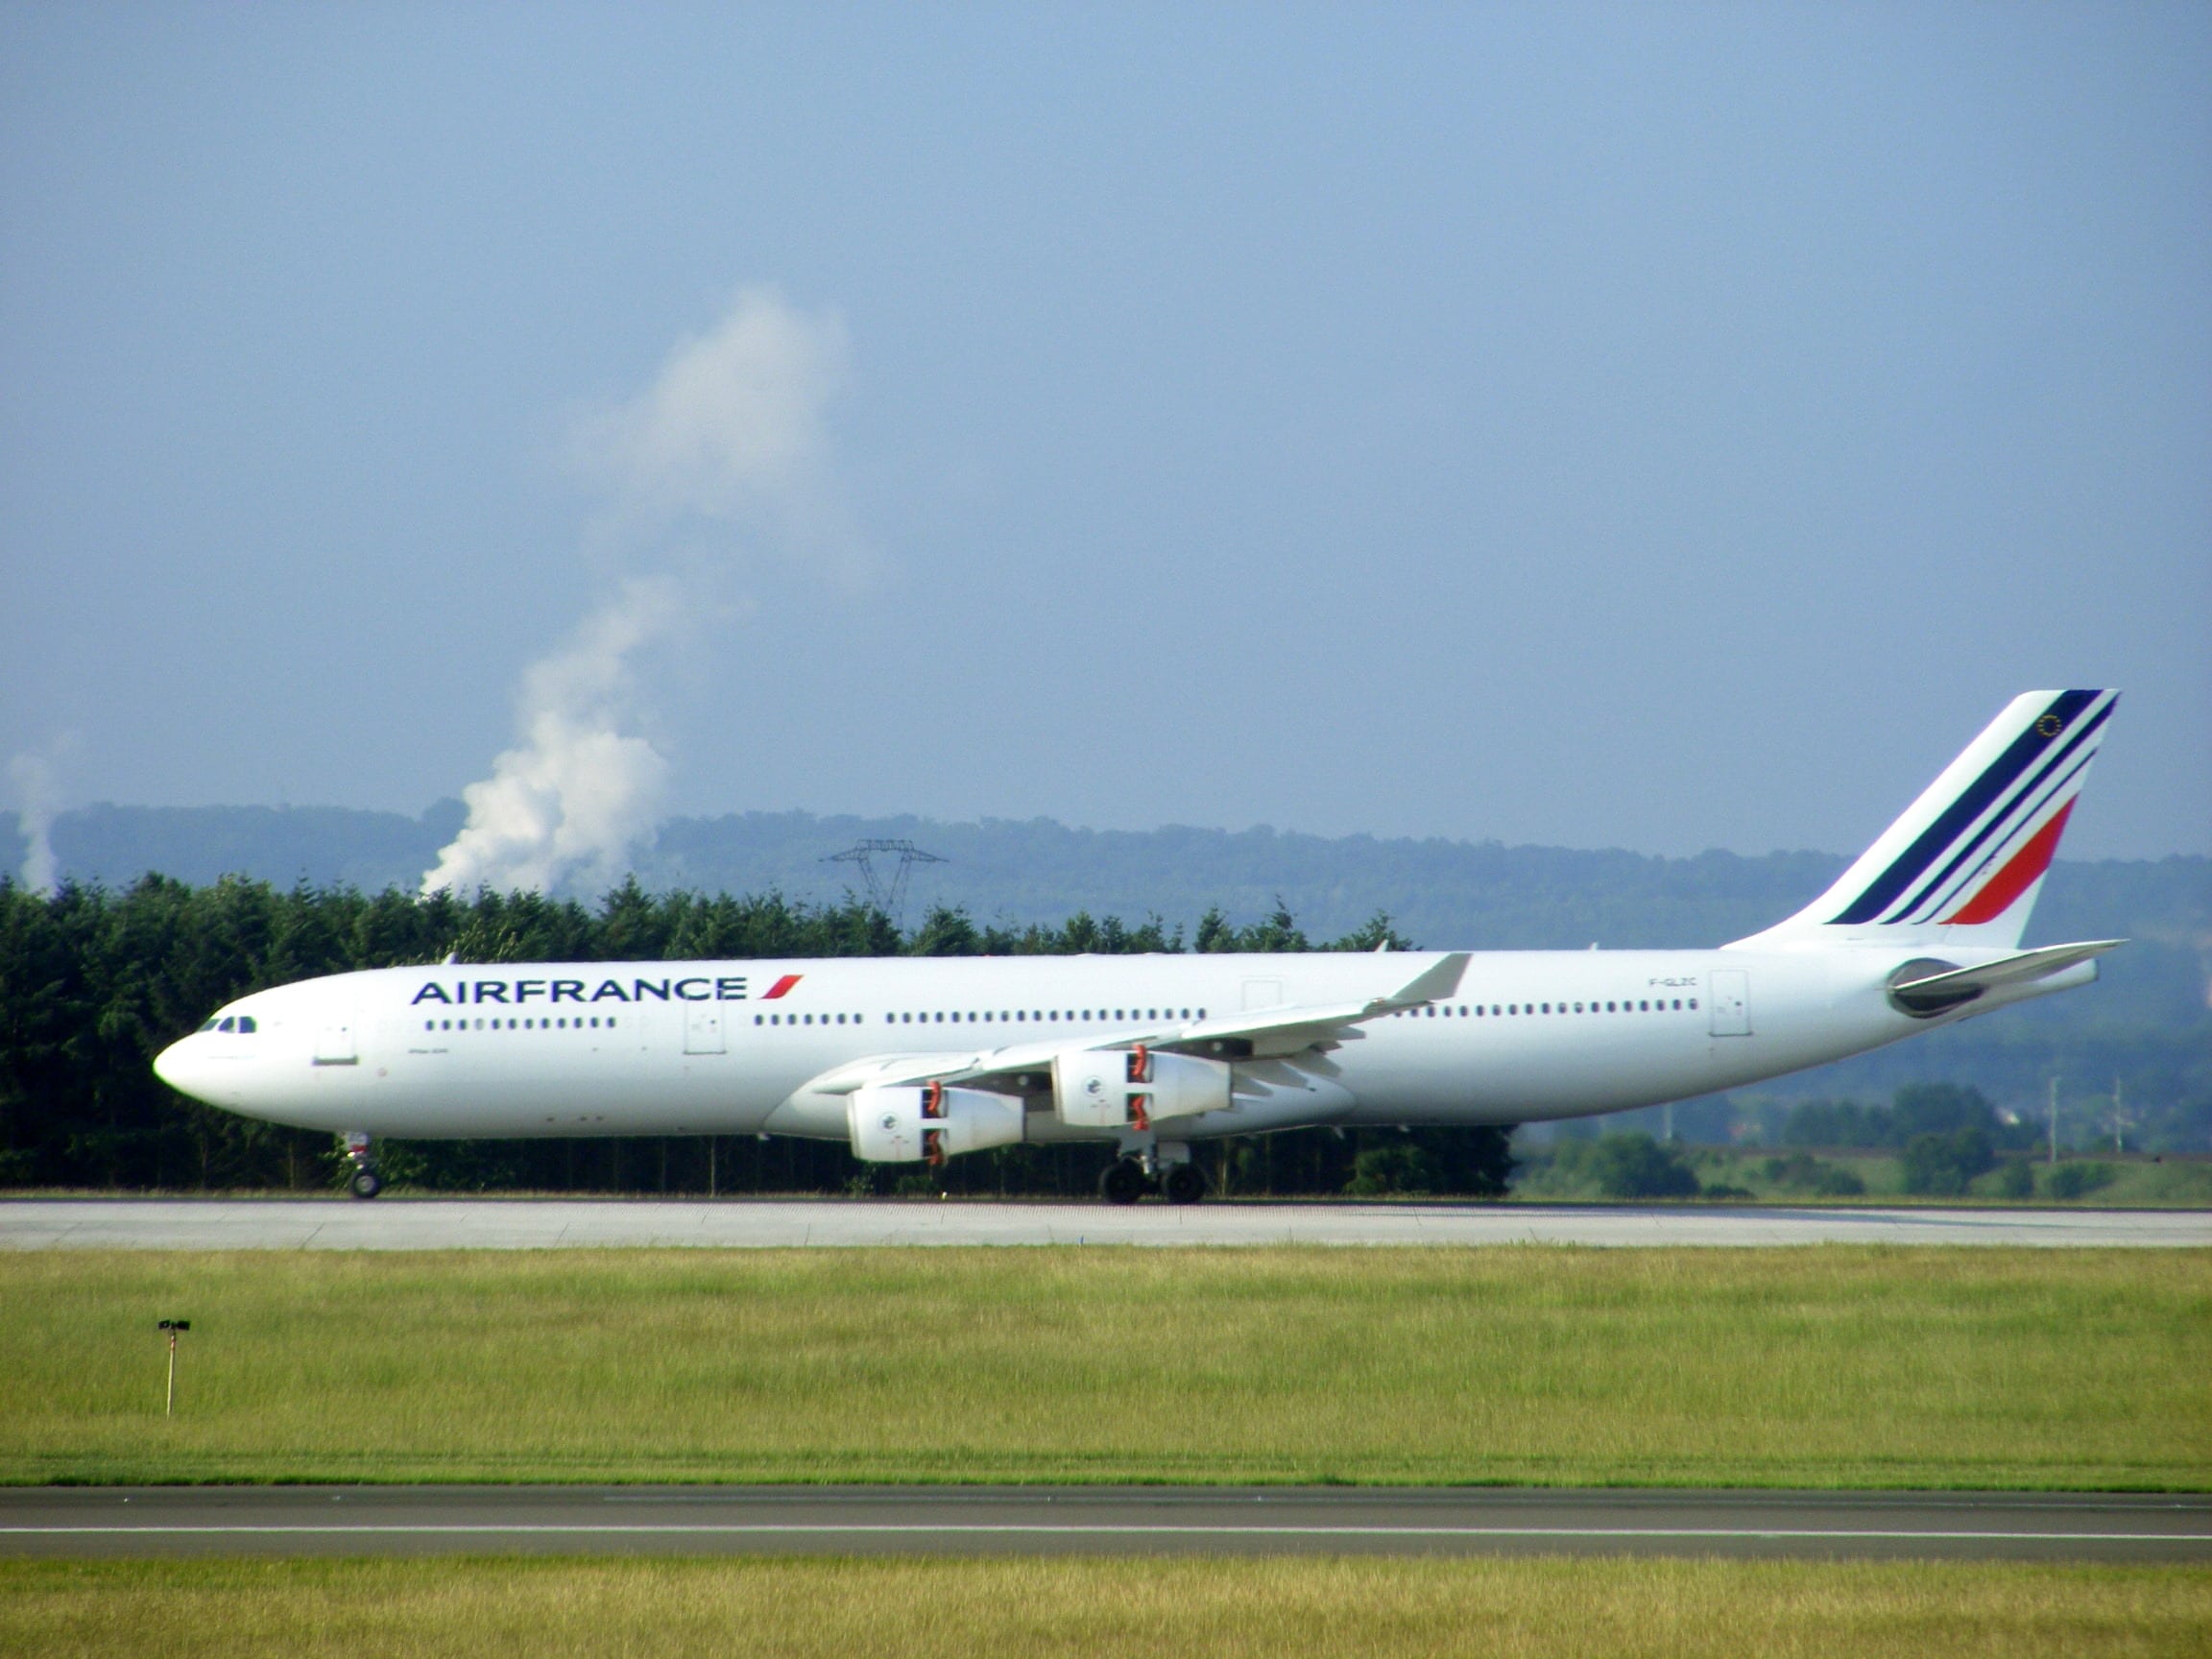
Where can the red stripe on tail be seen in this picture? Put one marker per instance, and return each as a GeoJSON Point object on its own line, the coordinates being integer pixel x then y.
{"type": "Point", "coordinates": [2020, 872]}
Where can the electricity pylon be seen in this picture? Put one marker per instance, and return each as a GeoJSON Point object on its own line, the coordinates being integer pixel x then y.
{"type": "Point", "coordinates": [888, 896]}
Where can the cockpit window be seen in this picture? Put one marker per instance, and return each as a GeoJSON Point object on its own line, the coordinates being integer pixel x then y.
{"type": "Point", "coordinates": [246, 1023]}
{"type": "Point", "coordinates": [228, 1025]}
{"type": "Point", "coordinates": [210, 1025]}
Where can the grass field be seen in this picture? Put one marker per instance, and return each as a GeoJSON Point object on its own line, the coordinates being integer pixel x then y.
{"type": "Point", "coordinates": [1075, 1608]}
{"type": "Point", "coordinates": [1808, 1367]}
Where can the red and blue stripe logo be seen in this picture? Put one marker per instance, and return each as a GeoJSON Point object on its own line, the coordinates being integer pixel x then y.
{"type": "Point", "coordinates": [1998, 836]}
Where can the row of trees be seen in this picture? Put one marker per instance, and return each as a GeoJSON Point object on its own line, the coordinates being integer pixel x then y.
{"type": "Point", "coordinates": [94, 983]}
{"type": "Point", "coordinates": [1916, 1109]}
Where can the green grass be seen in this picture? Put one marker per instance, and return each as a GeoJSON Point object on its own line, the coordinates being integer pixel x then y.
{"type": "Point", "coordinates": [1821, 1368]}
{"type": "Point", "coordinates": [1506, 1609]}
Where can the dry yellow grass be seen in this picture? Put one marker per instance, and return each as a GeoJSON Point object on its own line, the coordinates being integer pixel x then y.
{"type": "Point", "coordinates": [1282, 1608]}
{"type": "Point", "coordinates": [1822, 1367]}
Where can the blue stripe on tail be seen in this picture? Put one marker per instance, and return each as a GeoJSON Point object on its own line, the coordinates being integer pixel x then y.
{"type": "Point", "coordinates": [1930, 845]}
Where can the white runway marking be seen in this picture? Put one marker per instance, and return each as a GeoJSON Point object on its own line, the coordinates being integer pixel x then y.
{"type": "Point", "coordinates": [537, 1224]}
{"type": "Point", "coordinates": [86, 1521]}
{"type": "Point", "coordinates": [932, 1530]}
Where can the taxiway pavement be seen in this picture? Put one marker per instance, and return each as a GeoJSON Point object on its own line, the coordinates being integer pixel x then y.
{"type": "Point", "coordinates": [392, 1223]}
{"type": "Point", "coordinates": [141, 1522]}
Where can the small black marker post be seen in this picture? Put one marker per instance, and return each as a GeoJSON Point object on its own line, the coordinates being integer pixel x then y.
{"type": "Point", "coordinates": [173, 1327]}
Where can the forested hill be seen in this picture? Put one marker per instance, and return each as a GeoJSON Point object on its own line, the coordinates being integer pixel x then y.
{"type": "Point", "coordinates": [1441, 893]}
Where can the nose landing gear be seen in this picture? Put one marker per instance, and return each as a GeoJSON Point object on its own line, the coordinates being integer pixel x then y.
{"type": "Point", "coordinates": [364, 1182]}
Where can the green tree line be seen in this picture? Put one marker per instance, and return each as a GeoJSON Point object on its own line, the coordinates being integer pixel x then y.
{"type": "Point", "coordinates": [94, 983]}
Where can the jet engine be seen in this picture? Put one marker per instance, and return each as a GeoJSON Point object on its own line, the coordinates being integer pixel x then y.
{"type": "Point", "coordinates": [900, 1124]}
{"type": "Point", "coordinates": [1132, 1088]}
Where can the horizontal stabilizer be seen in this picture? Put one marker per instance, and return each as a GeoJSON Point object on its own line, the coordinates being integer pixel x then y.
{"type": "Point", "coordinates": [1956, 985]}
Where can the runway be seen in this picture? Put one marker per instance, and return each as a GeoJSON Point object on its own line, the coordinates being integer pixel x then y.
{"type": "Point", "coordinates": [110, 1522]}
{"type": "Point", "coordinates": [540, 1225]}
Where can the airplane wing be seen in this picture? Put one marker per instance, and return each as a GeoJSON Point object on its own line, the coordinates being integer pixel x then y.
{"type": "Point", "coordinates": [1270, 1032]}
{"type": "Point", "coordinates": [1287, 1030]}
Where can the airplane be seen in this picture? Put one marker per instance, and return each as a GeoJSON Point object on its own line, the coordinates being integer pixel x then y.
{"type": "Point", "coordinates": [916, 1060]}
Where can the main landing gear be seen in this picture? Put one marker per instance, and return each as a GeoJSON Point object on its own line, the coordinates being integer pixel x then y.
{"type": "Point", "coordinates": [364, 1182]}
{"type": "Point", "coordinates": [1183, 1184]}
{"type": "Point", "coordinates": [1129, 1179]}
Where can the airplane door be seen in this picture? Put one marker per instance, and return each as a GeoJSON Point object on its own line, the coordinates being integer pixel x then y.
{"type": "Point", "coordinates": [334, 1044]}
{"type": "Point", "coordinates": [1728, 990]}
{"type": "Point", "coordinates": [703, 1029]}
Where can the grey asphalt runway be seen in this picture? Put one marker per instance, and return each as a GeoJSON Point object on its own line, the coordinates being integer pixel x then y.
{"type": "Point", "coordinates": [110, 1522]}
{"type": "Point", "coordinates": [528, 1224]}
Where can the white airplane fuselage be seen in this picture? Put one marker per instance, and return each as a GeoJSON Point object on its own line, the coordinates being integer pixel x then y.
{"type": "Point", "coordinates": [693, 1048]}
{"type": "Point", "coordinates": [925, 1058]}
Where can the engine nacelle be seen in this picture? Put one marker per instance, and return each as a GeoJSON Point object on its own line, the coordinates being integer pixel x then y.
{"type": "Point", "coordinates": [1133, 1088]}
{"type": "Point", "coordinates": [902, 1124]}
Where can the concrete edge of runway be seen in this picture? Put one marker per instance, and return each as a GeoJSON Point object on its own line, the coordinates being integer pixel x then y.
{"type": "Point", "coordinates": [148, 1523]}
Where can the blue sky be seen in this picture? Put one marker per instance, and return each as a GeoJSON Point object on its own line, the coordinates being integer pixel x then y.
{"type": "Point", "coordinates": [1642, 426]}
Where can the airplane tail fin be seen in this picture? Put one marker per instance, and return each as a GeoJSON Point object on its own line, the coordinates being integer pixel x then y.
{"type": "Point", "coordinates": [1964, 863]}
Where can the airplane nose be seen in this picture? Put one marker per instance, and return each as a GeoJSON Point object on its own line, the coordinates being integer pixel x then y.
{"type": "Point", "coordinates": [174, 1067]}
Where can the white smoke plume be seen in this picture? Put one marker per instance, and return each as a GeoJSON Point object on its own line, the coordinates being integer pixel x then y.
{"type": "Point", "coordinates": [577, 791]}
{"type": "Point", "coordinates": [734, 432]}
{"type": "Point", "coordinates": [728, 451]}
{"type": "Point", "coordinates": [32, 778]}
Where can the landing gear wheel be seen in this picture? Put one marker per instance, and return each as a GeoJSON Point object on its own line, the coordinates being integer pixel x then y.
{"type": "Point", "coordinates": [1125, 1182]}
{"type": "Point", "coordinates": [366, 1183]}
{"type": "Point", "coordinates": [1183, 1184]}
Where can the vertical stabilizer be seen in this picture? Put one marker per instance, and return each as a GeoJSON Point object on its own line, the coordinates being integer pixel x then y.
{"type": "Point", "coordinates": [1964, 863]}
